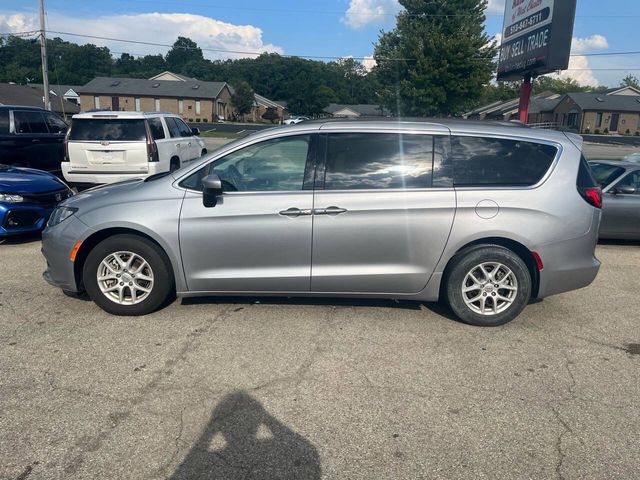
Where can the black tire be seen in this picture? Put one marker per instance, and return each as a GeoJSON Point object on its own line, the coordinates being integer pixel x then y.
{"type": "Point", "coordinates": [174, 165]}
{"type": "Point", "coordinates": [464, 262]}
{"type": "Point", "coordinates": [163, 282]}
{"type": "Point", "coordinates": [203, 152]}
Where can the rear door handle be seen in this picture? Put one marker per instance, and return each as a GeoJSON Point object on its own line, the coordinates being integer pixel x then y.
{"type": "Point", "coordinates": [294, 212]}
{"type": "Point", "coordinates": [35, 140]}
{"type": "Point", "coordinates": [329, 211]}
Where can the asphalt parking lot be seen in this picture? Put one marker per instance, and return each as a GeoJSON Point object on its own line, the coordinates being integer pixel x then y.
{"type": "Point", "coordinates": [305, 389]}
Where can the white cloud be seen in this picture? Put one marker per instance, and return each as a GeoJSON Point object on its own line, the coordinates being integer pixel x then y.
{"type": "Point", "coordinates": [368, 63]}
{"type": "Point", "coordinates": [149, 27]}
{"type": "Point", "coordinates": [361, 13]}
{"type": "Point", "coordinates": [579, 68]}
{"type": "Point", "coordinates": [495, 7]}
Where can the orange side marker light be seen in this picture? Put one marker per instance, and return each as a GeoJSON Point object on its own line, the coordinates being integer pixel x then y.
{"type": "Point", "coordinates": [74, 251]}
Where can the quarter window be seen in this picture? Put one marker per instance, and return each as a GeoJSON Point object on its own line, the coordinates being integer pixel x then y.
{"type": "Point", "coordinates": [479, 161]}
{"type": "Point", "coordinates": [273, 165]}
{"type": "Point", "coordinates": [358, 161]}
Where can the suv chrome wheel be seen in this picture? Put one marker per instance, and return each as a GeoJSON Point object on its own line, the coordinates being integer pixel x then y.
{"type": "Point", "coordinates": [125, 278]}
{"type": "Point", "coordinates": [489, 288]}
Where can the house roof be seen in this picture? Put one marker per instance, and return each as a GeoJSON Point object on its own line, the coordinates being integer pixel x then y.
{"type": "Point", "coordinates": [365, 110]}
{"type": "Point", "coordinates": [178, 77]}
{"type": "Point", "coordinates": [159, 88]}
{"type": "Point", "coordinates": [31, 95]}
{"type": "Point", "coordinates": [265, 102]}
{"type": "Point", "coordinates": [600, 101]}
{"type": "Point", "coordinates": [59, 90]}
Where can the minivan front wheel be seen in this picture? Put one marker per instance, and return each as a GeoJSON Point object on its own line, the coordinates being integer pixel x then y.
{"type": "Point", "coordinates": [128, 275]}
{"type": "Point", "coordinates": [488, 286]}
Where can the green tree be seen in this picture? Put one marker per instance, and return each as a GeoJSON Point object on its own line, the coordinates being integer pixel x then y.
{"type": "Point", "coordinates": [437, 59]}
{"type": "Point", "coordinates": [271, 114]}
{"type": "Point", "coordinates": [243, 97]}
{"type": "Point", "coordinates": [183, 52]}
{"type": "Point", "coordinates": [630, 81]}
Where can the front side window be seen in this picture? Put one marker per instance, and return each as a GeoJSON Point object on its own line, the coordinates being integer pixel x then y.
{"type": "Point", "coordinates": [272, 165]}
{"type": "Point", "coordinates": [183, 128]}
{"type": "Point", "coordinates": [356, 161]}
{"type": "Point", "coordinates": [155, 125]}
{"type": "Point", "coordinates": [55, 123]}
{"type": "Point", "coordinates": [29, 122]}
{"type": "Point", "coordinates": [631, 180]}
{"type": "Point", "coordinates": [103, 129]}
{"type": "Point", "coordinates": [484, 161]}
{"type": "Point", "coordinates": [172, 125]}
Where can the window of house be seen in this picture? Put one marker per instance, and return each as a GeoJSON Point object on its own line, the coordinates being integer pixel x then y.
{"type": "Point", "coordinates": [598, 119]}
{"type": "Point", "coordinates": [96, 103]}
{"type": "Point", "coordinates": [157, 104]}
{"type": "Point", "coordinates": [378, 160]}
{"type": "Point", "coordinates": [180, 106]}
{"type": "Point", "coordinates": [272, 165]}
{"type": "Point", "coordinates": [137, 101]}
{"type": "Point", "coordinates": [482, 161]}
{"type": "Point", "coordinates": [197, 107]}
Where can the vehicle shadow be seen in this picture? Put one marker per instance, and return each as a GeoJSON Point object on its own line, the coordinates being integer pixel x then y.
{"type": "Point", "coordinates": [319, 301]}
{"type": "Point", "coordinates": [21, 239]}
{"type": "Point", "coordinates": [629, 243]}
{"type": "Point", "coordinates": [243, 441]}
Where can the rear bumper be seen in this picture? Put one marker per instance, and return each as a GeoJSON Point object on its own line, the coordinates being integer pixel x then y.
{"type": "Point", "coordinates": [80, 177]}
{"type": "Point", "coordinates": [20, 218]}
{"type": "Point", "coordinates": [569, 265]}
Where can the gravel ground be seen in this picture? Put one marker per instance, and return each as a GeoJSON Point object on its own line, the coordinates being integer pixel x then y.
{"type": "Point", "coordinates": [277, 388]}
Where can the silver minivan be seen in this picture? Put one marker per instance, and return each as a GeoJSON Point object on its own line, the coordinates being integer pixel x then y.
{"type": "Point", "coordinates": [484, 216]}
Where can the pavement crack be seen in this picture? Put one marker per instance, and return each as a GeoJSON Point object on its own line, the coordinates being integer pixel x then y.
{"type": "Point", "coordinates": [559, 449]}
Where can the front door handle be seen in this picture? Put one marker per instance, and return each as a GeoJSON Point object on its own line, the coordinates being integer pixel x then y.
{"type": "Point", "coordinates": [330, 211]}
{"type": "Point", "coordinates": [294, 212]}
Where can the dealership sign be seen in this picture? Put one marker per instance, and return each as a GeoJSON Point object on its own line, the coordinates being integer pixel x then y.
{"type": "Point", "coordinates": [536, 38]}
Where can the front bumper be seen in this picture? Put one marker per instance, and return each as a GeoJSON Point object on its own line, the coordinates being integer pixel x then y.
{"type": "Point", "coordinates": [21, 218]}
{"type": "Point", "coordinates": [57, 244]}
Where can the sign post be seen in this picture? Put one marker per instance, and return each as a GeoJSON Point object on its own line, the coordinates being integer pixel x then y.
{"type": "Point", "coordinates": [536, 40]}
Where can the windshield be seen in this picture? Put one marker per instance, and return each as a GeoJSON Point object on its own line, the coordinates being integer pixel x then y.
{"type": "Point", "coordinates": [605, 174]}
{"type": "Point", "coordinates": [113, 130]}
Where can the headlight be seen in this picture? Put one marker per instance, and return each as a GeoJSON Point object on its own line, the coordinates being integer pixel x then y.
{"type": "Point", "coordinates": [10, 198]}
{"type": "Point", "coordinates": [59, 215]}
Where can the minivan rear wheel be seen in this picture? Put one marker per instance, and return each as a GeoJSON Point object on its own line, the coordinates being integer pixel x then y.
{"type": "Point", "coordinates": [128, 275]}
{"type": "Point", "coordinates": [488, 286]}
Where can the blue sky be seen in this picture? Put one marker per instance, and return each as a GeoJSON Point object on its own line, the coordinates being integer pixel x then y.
{"type": "Point", "coordinates": [333, 28]}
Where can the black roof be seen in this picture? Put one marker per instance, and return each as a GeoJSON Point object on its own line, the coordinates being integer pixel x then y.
{"type": "Point", "coordinates": [30, 95]}
{"type": "Point", "coordinates": [159, 88]}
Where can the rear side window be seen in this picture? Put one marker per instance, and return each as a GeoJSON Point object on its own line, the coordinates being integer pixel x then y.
{"type": "Point", "coordinates": [155, 125]}
{"type": "Point", "coordinates": [29, 122]}
{"type": "Point", "coordinates": [172, 125]}
{"type": "Point", "coordinates": [484, 161]}
{"type": "Point", "coordinates": [585, 175]}
{"type": "Point", "coordinates": [4, 121]}
{"type": "Point", "coordinates": [108, 129]}
{"type": "Point", "coordinates": [357, 161]}
{"type": "Point", "coordinates": [604, 174]}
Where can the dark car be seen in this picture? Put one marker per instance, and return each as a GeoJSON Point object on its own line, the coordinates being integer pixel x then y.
{"type": "Point", "coordinates": [27, 198]}
{"type": "Point", "coordinates": [32, 137]}
{"type": "Point", "coordinates": [620, 182]}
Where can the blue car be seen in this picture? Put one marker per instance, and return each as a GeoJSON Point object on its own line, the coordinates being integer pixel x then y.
{"type": "Point", "coordinates": [27, 198]}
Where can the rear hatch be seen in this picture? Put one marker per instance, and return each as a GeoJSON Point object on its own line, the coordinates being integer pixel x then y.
{"type": "Point", "coordinates": [107, 144]}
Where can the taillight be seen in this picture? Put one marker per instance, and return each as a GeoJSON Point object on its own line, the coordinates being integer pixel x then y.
{"type": "Point", "coordinates": [152, 148]}
{"type": "Point", "coordinates": [593, 196]}
{"type": "Point", "coordinates": [65, 145]}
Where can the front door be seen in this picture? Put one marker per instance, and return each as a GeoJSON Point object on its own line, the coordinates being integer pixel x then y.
{"type": "Point", "coordinates": [615, 119]}
{"type": "Point", "coordinates": [258, 236]}
{"type": "Point", "coordinates": [621, 211]}
{"type": "Point", "coordinates": [115, 104]}
{"type": "Point", "coordinates": [379, 226]}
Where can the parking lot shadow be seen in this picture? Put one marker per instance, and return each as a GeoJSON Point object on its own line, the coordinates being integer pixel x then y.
{"type": "Point", "coordinates": [242, 441]}
{"type": "Point", "coordinates": [20, 239]}
{"type": "Point", "coordinates": [320, 301]}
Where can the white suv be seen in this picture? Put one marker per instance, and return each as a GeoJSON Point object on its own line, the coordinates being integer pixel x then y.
{"type": "Point", "coordinates": [108, 147]}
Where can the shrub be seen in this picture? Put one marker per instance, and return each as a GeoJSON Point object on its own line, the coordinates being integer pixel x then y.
{"type": "Point", "coordinates": [637, 133]}
{"type": "Point", "coordinates": [628, 132]}
{"type": "Point", "coordinates": [205, 120]}
{"type": "Point", "coordinates": [587, 131]}
{"type": "Point", "coordinates": [606, 131]}
{"type": "Point", "coordinates": [597, 131]}
{"type": "Point", "coordinates": [191, 120]}
{"type": "Point", "coordinates": [197, 120]}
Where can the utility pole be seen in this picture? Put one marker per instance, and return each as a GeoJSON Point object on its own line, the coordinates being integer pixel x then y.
{"type": "Point", "coordinates": [43, 54]}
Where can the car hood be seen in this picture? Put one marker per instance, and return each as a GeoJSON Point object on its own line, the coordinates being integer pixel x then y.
{"type": "Point", "coordinates": [19, 180]}
{"type": "Point", "coordinates": [104, 192]}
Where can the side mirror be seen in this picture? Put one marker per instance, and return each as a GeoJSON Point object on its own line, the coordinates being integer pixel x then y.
{"type": "Point", "coordinates": [195, 131]}
{"type": "Point", "coordinates": [625, 190]}
{"type": "Point", "coordinates": [212, 190]}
